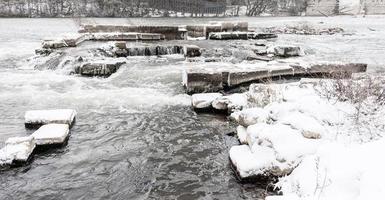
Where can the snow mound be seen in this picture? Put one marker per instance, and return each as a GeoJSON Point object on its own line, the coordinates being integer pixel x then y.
{"type": "Point", "coordinates": [17, 149]}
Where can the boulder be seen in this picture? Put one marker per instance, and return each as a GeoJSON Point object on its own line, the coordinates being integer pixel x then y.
{"type": "Point", "coordinates": [37, 118]}
{"type": "Point", "coordinates": [192, 51]}
{"type": "Point", "coordinates": [286, 51]}
{"type": "Point", "coordinates": [248, 117]}
{"type": "Point", "coordinates": [230, 103]}
{"type": "Point", "coordinates": [51, 134]}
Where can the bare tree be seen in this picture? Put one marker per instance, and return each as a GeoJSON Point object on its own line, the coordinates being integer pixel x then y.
{"type": "Point", "coordinates": [257, 7]}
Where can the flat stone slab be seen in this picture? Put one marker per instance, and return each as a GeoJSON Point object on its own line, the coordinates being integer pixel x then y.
{"type": "Point", "coordinates": [217, 78]}
{"type": "Point", "coordinates": [51, 134]}
{"type": "Point", "coordinates": [240, 36]}
{"type": "Point", "coordinates": [126, 36]}
{"type": "Point", "coordinates": [285, 50]}
{"type": "Point", "coordinates": [37, 118]}
{"type": "Point", "coordinates": [17, 150]}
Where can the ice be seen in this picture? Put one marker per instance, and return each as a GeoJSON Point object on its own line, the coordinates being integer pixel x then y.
{"type": "Point", "coordinates": [17, 149]}
{"type": "Point", "coordinates": [204, 100]}
{"type": "Point", "coordinates": [40, 117]}
{"type": "Point", "coordinates": [51, 134]}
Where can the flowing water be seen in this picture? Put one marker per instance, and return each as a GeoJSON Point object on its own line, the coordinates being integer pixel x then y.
{"type": "Point", "coordinates": [136, 136]}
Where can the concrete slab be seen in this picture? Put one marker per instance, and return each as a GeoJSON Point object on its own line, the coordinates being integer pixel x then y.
{"type": "Point", "coordinates": [51, 134]}
{"type": "Point", "coordinates": [17, 150]}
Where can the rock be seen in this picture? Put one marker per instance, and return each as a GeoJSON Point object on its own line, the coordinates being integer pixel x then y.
{"type": "Point", "coordinates": [192, 51]}
{"type": "Point", "coordinates": [309, 127]}
{"type": "Point", "coordinates": [54, 44]}
{"type": "Point", "coordinates": [229, 36]}
{"type": "Point", "coordinates": [99, 68]}
{"type": "Point", "coordinates": [248, 117]}
{"type": "Point", "coordinates": [121, 45]}
{"type": "Point", "coordinates": [204, 101]}
{"type": "Point", "coordinates": [51, 134]}
{"type": "Point", "coordinates": [261, 95]}
{"type": "Point", "coordinates": [261, 36]}
{"type": "Point", "coordinates": [286, 51]}
{"type": "Point", "coordinates": [230, 103]}
{"type": "Point", "coordinates": [37, 118]}
{"type": "Point", "coordinates": [242, 134]}
{"type": "Point", "coordinates": [44, 52]}
{"type": "Point", "coordinates": [17, 150]}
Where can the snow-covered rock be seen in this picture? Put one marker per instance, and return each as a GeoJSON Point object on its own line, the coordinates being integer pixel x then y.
{"type": "Point", "coordinates": [252, 116]}
{"type": "Point", "coordinates": [309, 127]}
{"type": "Point", "coordinates": [17, 149]}
{"type": "Point", "coordinates": [231, 102]}
{"type": "Point", "coordinates": [204, 100]}
{"type": "Point", "coordinates": [242, 134]}
{"type": "Point", "coordinates": [272, 150]}
{"type": "Point", "coordinates": [261, 95]}
{"type": "Point", "coordinates": [37, 118]}
{"type": "Point", "coordinates": [51, 134]}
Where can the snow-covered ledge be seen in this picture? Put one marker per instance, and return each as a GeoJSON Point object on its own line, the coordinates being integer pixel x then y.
{"type": "Point", "coordinates": [51, 134]}
{"type": "Point", "coordinates": [17, 150]}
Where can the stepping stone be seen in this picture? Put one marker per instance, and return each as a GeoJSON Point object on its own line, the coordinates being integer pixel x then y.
{"type": "Point", "coordinates": [51, 134]}
{"type": "Point", "coordinates": [17, 150]}
{"type": "Point", "coordinates": [204, 100]}
{"type": "Point", "coordinates": [37, 118]}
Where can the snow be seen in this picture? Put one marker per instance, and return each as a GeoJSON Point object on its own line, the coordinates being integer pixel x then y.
{"type": "Point", "coordinates": [17, 149]}
{"type": "Point", "coordinates": [60, 116]}
{"type": "Point", "coordinates": [204, 100]}
{"type": "Point", "coordinates": [51, 134]}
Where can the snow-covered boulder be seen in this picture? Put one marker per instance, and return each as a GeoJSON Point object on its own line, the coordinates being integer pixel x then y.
{"type": "Point", "coordinates": [204, 100]}
{"type": "Point", "coordinates": [261, 95]}
{"type": "Point", "coordinates": [36, 118]}
{"type": "Point", "coordinates": [272, 150]}
{"type": "Point", "coordinates": [230, 103]}
{"type": "Point", "coordinates": [51, 134]}
{"type": "Point", "coordinates": [309, 127]}
{"type": "Point", "coordinates": [252, 116]}
{"type": "Point", "coordinates": [17, 149]}
{"type": "Point", "coordinates": [242, 134]}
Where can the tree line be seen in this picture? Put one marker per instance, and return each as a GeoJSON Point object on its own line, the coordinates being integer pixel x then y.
{"type": "Point", "coordinates": [131, 8]}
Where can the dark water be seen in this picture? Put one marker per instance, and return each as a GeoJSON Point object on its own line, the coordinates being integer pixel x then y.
{"type": "Point", "coordinates": [136, 136]}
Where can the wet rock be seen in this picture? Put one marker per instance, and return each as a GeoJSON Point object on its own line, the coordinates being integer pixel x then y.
{"type": "Point", "coordinates": [51, 134]}
{"type": "Point", "coordinates": [37, 118]}
{"type": "Point", "coordinates": [261, 36]}
{"type": "Point", "coordinates": [54, 44]}
{"type": "Point", "coordinates": [17, 150]}
{"type": "Point", "coordinates": [44, 52]}
{"type": "Point", "coordinates": [192, 51]}
{"type": "Point", "coordinates": [286, 51]}
{"type": "Point", "coordinates": [204, 101]}
{"type": "Point", "coordinates": [103, 68]}
{"type": "Point", "coordinates": [121, 45]}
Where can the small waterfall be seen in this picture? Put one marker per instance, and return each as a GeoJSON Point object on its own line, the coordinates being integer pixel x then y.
{"type": "Point", "coordinates": [153, 50]}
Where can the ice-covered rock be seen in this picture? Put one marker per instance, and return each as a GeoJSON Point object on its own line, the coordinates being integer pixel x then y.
{"type": "Point", "coordinates": [204, 100]}
{"type": "Point", "coordinates": [36, 118]}
{"type": "Point", "coordinates": [51, 134]}
{"type": "Point", "coordinates": [17, 149]}
{"type": "Point", "coordinates": [231, 102]}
